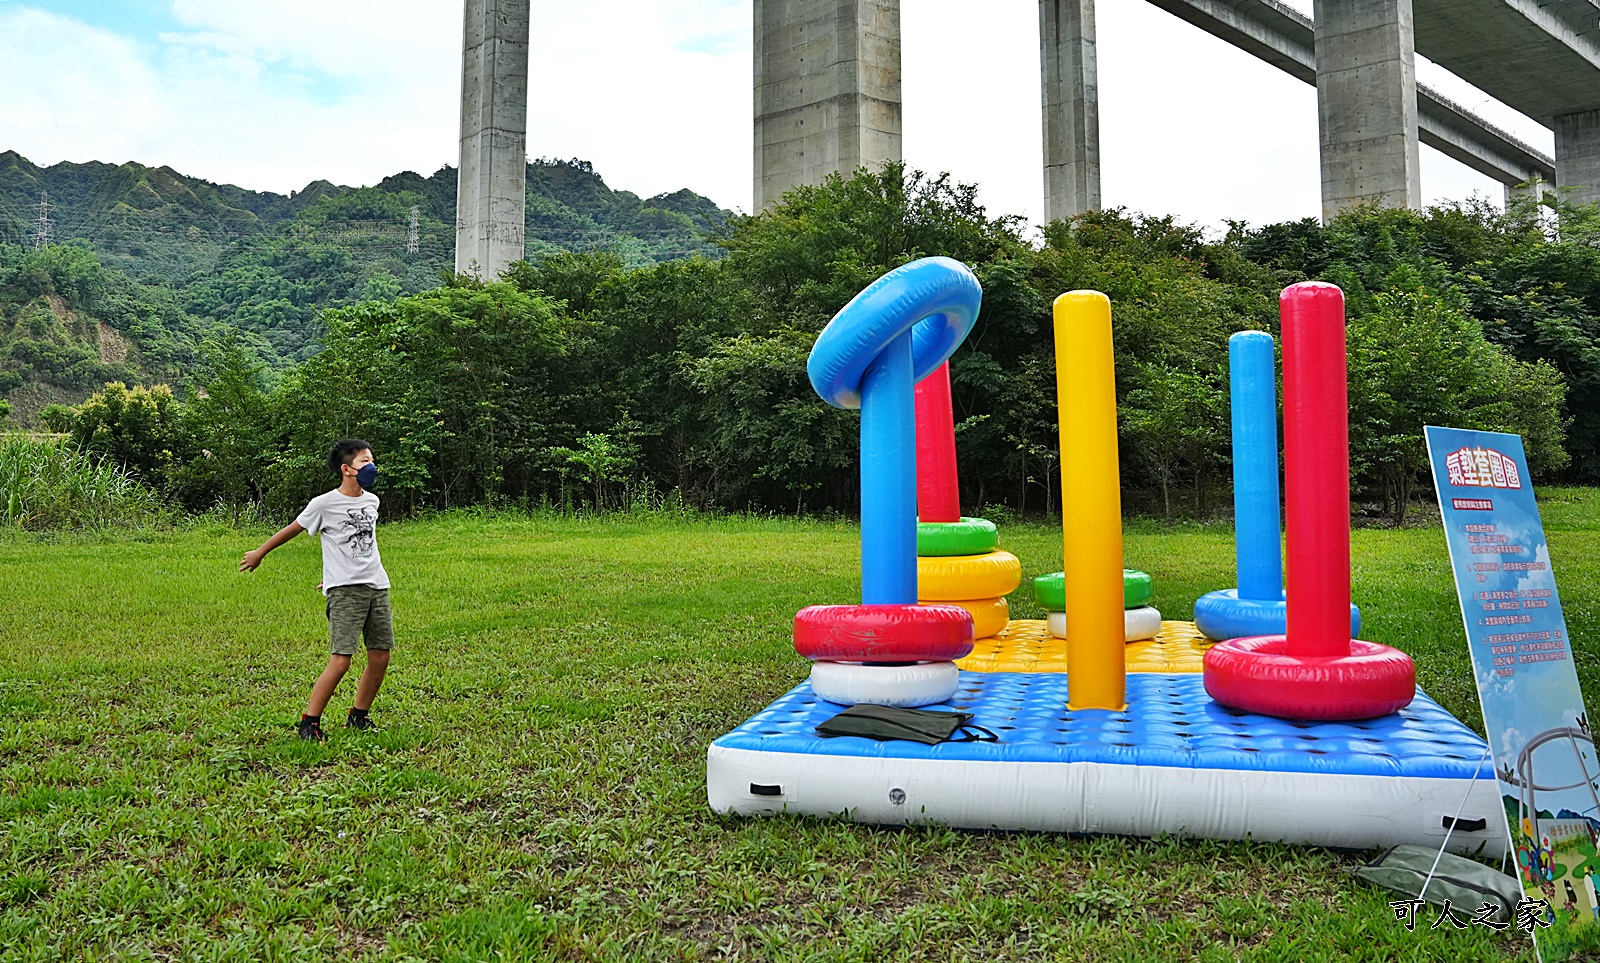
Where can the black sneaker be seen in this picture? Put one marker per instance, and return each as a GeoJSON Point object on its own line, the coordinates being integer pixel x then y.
{"type": "Point", "coordinates": [363, 722]}
{"type": "Point", "coordinates": [311, 730]}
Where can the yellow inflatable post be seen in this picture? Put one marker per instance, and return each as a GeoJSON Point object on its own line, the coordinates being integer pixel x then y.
{"type": "Point", "coordinates": [1091, 502]}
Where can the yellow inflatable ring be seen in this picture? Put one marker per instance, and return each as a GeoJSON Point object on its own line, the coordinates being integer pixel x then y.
{"type": "Point", "coordinates": [955, 578]}
{"type": "Point", "coordinates": [989, 616]}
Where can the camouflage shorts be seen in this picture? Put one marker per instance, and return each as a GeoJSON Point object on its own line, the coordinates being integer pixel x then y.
{"type": "Point", "coordinates": [355, 611]}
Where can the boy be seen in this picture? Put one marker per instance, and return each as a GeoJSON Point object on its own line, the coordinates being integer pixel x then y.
{"type": "Point", "coordinates": [353, 579]}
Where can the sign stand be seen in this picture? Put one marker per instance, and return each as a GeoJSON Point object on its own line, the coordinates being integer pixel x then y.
{"type": "Point", "coordinates": [1452, 828]}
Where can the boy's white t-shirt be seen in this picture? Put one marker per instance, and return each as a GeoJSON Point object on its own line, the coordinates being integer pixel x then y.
{"type": "Point", "coordinates": [349, 529]}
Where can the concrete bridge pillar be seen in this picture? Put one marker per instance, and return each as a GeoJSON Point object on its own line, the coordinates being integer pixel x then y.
{"type": "Point", "coordinates": [1578, 155]}
{"type": "Point", "coordinates": [827, 86]}
{"type": "Point", "coordinates": [491, 200]}
{"type": "Point", "coordinates": [1367, 104]}
{"type": "Point", "coordinates": [1071, 105]}
{"type": "Point", "coordinates": [1534, 188]}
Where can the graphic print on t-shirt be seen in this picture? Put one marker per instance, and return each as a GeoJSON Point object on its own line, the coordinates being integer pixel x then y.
{"type": "Point", "coordinates": [360, 532]}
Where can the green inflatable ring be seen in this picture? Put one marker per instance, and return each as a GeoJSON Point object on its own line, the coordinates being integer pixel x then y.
{"type": "Point", "coordinates": [970, 536]}
{"type": "Point", "coordinates": [1050, 591]}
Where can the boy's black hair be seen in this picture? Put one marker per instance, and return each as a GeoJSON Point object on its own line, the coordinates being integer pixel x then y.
{"type": "Point", "coordinates": [343, 451]}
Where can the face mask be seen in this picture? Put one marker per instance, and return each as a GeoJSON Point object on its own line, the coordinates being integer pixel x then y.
{"type": "Point", "coordinates": [367, 475]}
{"type": "Point", "coordinates": [919, 725]}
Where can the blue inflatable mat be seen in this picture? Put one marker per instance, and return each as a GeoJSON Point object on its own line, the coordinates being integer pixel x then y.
{"type": "Point", "coordinates": [1170, 722]}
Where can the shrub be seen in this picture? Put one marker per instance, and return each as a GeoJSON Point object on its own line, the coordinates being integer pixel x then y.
{"type": "Point", "coordinates": [142, 429]}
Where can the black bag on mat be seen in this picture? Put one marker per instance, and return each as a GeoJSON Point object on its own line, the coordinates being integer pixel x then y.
{"type": "Point", "coordinates": [918, 725]}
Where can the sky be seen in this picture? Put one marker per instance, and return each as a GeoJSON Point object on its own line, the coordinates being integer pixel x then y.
{"type": "Point", "coordinates": [273, 94]}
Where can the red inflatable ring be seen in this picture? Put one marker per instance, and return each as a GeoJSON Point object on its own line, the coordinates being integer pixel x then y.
{"type": "Point", "coordinates": [1256, 675]}
{"type": "Point", "coordinates": [883, 633]}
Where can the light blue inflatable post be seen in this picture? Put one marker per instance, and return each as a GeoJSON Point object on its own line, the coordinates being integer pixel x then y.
{"type": "Point", "coordinates": [1257, 533]}
{"type": "Point", "coordinates": [1257, 606]}
{"type": "Point", "coordinates": [896, 332]}
{"type": "Point", "coordinates": [889, 478]}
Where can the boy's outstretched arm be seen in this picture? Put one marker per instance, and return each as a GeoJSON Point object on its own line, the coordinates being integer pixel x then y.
{"type": "Point", "coordinates": [252, 559]}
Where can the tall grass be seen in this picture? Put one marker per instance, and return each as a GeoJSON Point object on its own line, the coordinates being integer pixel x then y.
{"type": "Point", "coordinates": [47, 484]}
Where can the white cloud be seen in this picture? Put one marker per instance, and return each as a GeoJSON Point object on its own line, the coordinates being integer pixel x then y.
{"type": "Point", "coordinates": [84, 88]}
{"type": "Point", "coordinates": [971, 99]}
{"type": "Point", "coordinates": [1498, 686]}
{"type": "Point", "coordinates": [369, 40]}
{"type": "Point", "coordinates": [1193, 125]}
{"type": "Point", "coordinates": [1511, 743]}
{"type": "Point", "coordinates": [1540, 578]}
{"type": "Point", "coordinates": [226, 103]}
{"type": "Point", "coordinates": [659, 96]}
{"type": "Point", "coordinates": [1189, 124]}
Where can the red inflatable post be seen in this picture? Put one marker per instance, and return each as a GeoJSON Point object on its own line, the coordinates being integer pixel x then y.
{"type": "Point", "coordinates": [938, 491]}
{"type": "Point", "coordinates": [1315, 670]}
{"type": "Point", "coordinates": [1316, 470]}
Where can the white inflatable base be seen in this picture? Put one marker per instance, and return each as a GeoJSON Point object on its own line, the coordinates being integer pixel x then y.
{"type": "Point", "coordinates": [1137, 624]}
{"type": "Point", "coordinates": [1320, 809]}
{"type": "Point", "coordinates": [850, 683]}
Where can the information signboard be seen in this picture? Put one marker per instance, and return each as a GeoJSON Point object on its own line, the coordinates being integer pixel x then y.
{"type": "Point", "coordinates": [1533, 710]}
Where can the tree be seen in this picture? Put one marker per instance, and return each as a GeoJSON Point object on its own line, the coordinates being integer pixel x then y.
{"type": "Point", "coordinates": [1175, 421]}
{"type": "Point", "coordinates": [1542, 302]}
{"type": "Point", "coordinates": [57, 418]}
{"type": "Point", "coordinates": [815, 250]}
{"type": "Point", "coordinates": [766, 424]}
{"type": "Point", "coordinates": [1419, 360]}
{"type": "Point", "coordinates": [602, 461]}
{"type": "Point", "coordinates": [648, 327]}
{"type": "Point", "coordinates": [461, 391]}
{"type": "Point", "coordinates": [230, 427]}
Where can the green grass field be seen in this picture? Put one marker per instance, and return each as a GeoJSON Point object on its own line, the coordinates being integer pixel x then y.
{"type": "Point", "coordinates": [537, 791]}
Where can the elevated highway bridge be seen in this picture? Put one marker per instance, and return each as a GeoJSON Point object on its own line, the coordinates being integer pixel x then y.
{"type": "Point", "coordinates": [827, 84]}
{"type": "Point", "coordinates": [828, 97]}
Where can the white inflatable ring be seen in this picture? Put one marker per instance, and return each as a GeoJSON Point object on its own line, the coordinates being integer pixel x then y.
{"type": "Point", "coordinates": [1137, 624]}
{"type": "Point", "coordinates": [849, 683]}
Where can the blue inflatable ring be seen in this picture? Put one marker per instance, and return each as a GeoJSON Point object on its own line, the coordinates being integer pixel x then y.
{"type": "Point", "coordinates": [1224, 615]}
{"type": "Point", "coordinates": [937, 298]}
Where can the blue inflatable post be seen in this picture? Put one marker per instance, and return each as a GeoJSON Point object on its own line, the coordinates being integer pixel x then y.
{"type": "Point", "coordinates": [889, 478]}
{"type": "Point", "coordinates": [1257, 534]}
{"type": "Point", "coordinates": [1257, 606]}
{"type": "Point", "coordinates": [896, 332]}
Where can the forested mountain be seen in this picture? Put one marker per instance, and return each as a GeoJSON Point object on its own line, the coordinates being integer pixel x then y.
{"type": "Point", "coordinates": [157, 224]}
{"type": "Point", "coordinates": [270, 263]}
{"type": "Point", "coordinates": [68, 325]}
